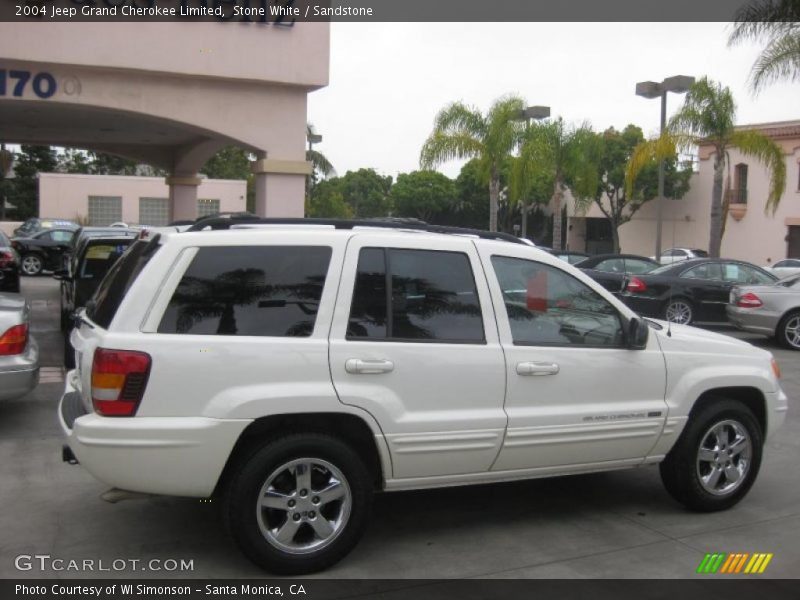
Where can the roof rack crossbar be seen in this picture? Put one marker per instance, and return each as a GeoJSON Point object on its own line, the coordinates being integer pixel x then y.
{"type": "Point", "coordinates": [387, 223]}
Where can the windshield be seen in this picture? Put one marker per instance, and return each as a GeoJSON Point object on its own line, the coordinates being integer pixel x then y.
{"type": "Point", "coordinates": [100, 256]}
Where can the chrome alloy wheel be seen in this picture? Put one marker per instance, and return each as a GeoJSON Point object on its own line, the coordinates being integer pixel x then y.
{"type": "Point", "coordinates": [679, 312]}
{"type": "Point", "coordinates": [724, 457]}
{"type": "Point", "coordinates": [31, 265]}
{"type": "Point", "coordinates": [791, 331]}
{"type": "Point", "coordinates": [304, 505]}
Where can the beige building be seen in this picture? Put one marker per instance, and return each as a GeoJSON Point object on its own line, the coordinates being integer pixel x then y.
{"type": "Point", "coordinates": [170, 94]}
{"type": "Point", "coordinates": [107, 199]}
{"type": "Point", "coordinates": [750, 234]}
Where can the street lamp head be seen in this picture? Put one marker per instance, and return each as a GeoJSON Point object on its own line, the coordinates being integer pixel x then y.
{"type": "Point", "coordinates": [678, 84]}
{"type": "Point", "coordinates": [648, 89]}
{"type": "Point", "coordinates": [533, 112]}
{"type": "Point", "coordinates": [314, 138]}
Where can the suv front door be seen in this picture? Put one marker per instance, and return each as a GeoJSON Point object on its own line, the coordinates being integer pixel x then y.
{"type": "Point", "coordinates": [414, 342]}
{"type": "Point", "coordinates": [576, 396]}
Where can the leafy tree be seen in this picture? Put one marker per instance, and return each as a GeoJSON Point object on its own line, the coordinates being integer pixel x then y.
{"type": "Point", "coordinates": [707, 116]}
{"type": "Point", "coordinates": [463, 132]}
{"type": "Point", "coordinates": [777, 24]}
{"type": "Point", "coordinates": [231, 162]}
{"type": "Point", "coordinates": [74, 161]}
{"type": "Point", "coordinates": [422, 194]}
{"type": "Point", "coordinates": [529, 191]}
{"type": "Point", "coordinates": [367, 193]}
{"type": "Point", "coordinates": [612, 196]}
{"type": "Point", "coordinates": [565, 153]}
{"type": "Point", "coordinates": [321, 167]}
{"type": "Point", "coordinates": [111, 164]}
{"type": "Point", "coordinates": [326, 200]}
{"type": "Point", "coordinates": [469, 209]}
{"type": "Point", "coordinates": [29, 162]}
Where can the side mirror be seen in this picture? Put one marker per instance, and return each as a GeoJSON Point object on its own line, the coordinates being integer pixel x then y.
{"type": "Point", "coordinates": [638, 332]}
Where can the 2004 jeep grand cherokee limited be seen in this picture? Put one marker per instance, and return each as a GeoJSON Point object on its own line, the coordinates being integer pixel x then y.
{"type": "Point", "coordinates": [296, 369]}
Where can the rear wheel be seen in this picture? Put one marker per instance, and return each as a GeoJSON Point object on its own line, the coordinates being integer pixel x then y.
{"type": "Point", "coordinates": [679, 310]}
{"type": "Point", "coordinates": [299, 504]}
{"type": "Point", "coordinates": [31, 264]}
{"type": "Point", "coordinates": [788, 331]}
{"type": "Point", "coordinates": [716, 460]}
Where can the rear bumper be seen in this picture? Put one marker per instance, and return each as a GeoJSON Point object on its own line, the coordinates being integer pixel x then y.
{"type": "Point", "coordinates": [19, 374]}
{"type": "Point", "coordinates": [753, 320]}
{"type": "Point", "coordinates": [176, 456]}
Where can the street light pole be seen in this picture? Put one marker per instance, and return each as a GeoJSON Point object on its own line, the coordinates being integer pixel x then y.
{"type": "Point", "coordinates": [677, 84]}
{"type": "Point", "coordinates": [537, 113]}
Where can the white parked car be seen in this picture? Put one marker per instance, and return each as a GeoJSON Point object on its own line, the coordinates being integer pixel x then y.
{"type": "Point", "coordinates": [296, 369]}
{"type": "Point", "coordinates": [785, 268]}
{"type": "Point", "coordinates": [672, 255]}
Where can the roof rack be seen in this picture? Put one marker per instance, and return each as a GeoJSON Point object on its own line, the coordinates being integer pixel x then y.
{"type": "Point", "coordinates": [386, 223]}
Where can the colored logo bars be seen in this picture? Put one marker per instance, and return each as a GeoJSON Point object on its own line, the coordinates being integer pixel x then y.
{"type": "Point", "coordinates": [741, 562]}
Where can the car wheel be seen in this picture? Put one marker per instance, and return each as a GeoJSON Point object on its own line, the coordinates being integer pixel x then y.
{"type": "Point", "coordinates": [298, 504]}
{"type": "Point", "coordinates": [716, 459]}
{"type": "Point", "coordinates": [31, 265]}
{"type": "Point", "coordinates": [788, 331]}
{"type": "Point", "coordinates": [679, 310]}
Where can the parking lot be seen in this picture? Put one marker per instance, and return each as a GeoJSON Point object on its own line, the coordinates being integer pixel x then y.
{"type": "Point", "coordinates": [615, 525]}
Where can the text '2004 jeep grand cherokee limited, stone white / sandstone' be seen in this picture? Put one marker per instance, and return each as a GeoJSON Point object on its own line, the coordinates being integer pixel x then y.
{"type": "Point", "coordinates": [294, 369]}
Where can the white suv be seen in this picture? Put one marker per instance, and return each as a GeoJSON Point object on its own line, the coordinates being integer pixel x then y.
{"type": "Point", "coordinates": [295, 369]}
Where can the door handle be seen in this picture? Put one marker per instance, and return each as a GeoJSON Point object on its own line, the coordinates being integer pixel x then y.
{"type": "Point", "coordinates": [537, 368]}
{"type": "Point", "coordinates": [358, 366]}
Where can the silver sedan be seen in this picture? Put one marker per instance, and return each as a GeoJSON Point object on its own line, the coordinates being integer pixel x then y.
{"type": "Point", "coordinates": [19, 352]}
{"type": "Point", "coordinates": [772, 310]}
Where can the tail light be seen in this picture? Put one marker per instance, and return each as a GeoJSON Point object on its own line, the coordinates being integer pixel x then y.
{"type": "Point", "coordinates": [749, 300]}
{"type": "Point", "coordinates": [119, 378]}
{"type": "Point", "coordinates": [6, 258]}
{"type": "Point", "coordinates": [14, 340]}
{"type": "Point", "coordinates": [636, 285]}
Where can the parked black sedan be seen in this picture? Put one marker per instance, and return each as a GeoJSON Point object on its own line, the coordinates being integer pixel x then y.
{"type": "Point", "coordinates": [9, 266]}
{"type": "Point", "coordinates": [43, 251]}
{"type": "Point", "coordinates": [691, 290]}
{"type": "Point", "coordinates": [89, 263]}
{"type": "Point", "coordinates": [610, 270]}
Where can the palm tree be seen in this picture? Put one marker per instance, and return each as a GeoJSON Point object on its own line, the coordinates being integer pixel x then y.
{"type": "Point", "coordinates": [565, 154]}
{"type": "Point", "coordinates": [707, 117]}
{"type": "Point", "coordinates": [320, 165]}
{"type": "Point", "coordinates": [463, 132]}
{"type": "Point", "coordinates": [777, 23]}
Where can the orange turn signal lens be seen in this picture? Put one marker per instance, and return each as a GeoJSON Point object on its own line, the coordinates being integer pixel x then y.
{"type": "Point", "coordinates": [776, 369]}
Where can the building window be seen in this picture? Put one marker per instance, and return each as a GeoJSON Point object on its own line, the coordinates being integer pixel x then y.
{"type": "Point", "coordinates": [154, 211]}
{"type": "Point", "coordinates": [104, 210]}
{"type": "Point", "coordinates": [738, 195]}
{"type": "Point", "coordinates": [206, 206]}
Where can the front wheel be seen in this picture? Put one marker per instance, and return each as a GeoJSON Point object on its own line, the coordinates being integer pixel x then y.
{"type": "Point", "coordinates": [31, 265]}
{"type": "Point", "coordinates": [299, 504]}
{"type": "Point", "coordinates": [715, 462]}
{"type": "Point", "coordinates": [679, 311]}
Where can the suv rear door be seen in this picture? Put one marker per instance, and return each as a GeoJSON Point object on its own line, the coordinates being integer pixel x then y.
{"type": "Point", "coordinates": [414, 342]}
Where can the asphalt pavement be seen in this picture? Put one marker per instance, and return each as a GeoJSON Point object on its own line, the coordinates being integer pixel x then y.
{"type": "Point", "coordinates": [611, 525]}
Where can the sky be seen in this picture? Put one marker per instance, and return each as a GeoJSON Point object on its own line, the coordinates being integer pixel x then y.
{"type": "Point", "coordinates": [388, 80]}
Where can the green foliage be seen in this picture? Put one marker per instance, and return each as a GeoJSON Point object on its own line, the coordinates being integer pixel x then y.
{"type": "Point", "coordinates": [463, 132]}
{"type": "Point", "coordinates": [367, 193]}
{"type": "Point", "coordinates": [471, 205]}
{"type": "Point", "coordinates": [90, 162]}
{"type": "Point", "coordinates": [231, 162]}
{"type": "Point", "coordinates": [422, 194]}
{"type": "Point", "coordinates": [777, 24]}
{"type": "Point", "coordinates": [326, 200]}
{"type": "Point", "coordinates": [29, 162]}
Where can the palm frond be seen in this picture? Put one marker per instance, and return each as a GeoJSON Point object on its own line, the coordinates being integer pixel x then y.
{"type": "Point", "coordinates": [768, 19]}
{"type": "Point", "coordinates": [320, 163]}
{"type": "Point", "coordinates": [664, 147]}
{"type": "Point", "coordinates": [441, 147]}
{"type": "Point", "coordinates": [755, 144]}
{"type": "Point", "coordinates": [780, 60]}
{"type": "Point", "coordinates": [707, 112]}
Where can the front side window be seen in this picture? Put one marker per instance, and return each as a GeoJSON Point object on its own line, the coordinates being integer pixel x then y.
{"type": "Point", "coordinates": [704, 271]}
{"type": "Point", "coordinates": [611, 265]}
{"type": "Point", "coordinates": [249, 290]}
{"type": "Point", "coordinates": [63, 236]}
{"type": "Point", "coordinates": [548, 307]}
{"type": "Point", "coordinates": [415, 295]}
{"type": "Point", "coordinates": [635, 266]}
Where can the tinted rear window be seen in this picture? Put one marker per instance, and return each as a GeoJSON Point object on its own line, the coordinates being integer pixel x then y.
{"type": "Point", "coordinates": [103, 306]}
{"type": "Point", "coordinates": [100, 256]}
{"type": "Point", "coordinates": [249, 290]}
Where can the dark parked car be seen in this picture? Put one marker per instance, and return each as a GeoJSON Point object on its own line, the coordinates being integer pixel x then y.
{"type": "Point", "coordinates": [610, 270]}
{"type": "Point", "coordinates": [9, 266]}
{"type": "Point", "coordinates": [568, 255]}
{"type": "Point", "coordinates": [89, 263]}
{"type": "Point", "coordinates": [44, 251]}
{"type": "Point", "coordinates": [36, 224]}
{"type": "Point", "coordinates": [691, 290]}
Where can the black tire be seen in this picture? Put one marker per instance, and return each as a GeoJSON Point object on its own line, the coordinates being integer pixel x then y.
{"type": "Point", "coordinates": [31, 265]}
{"type": "Point", "coordinates": [681, 470]}
{"type": "Point", "coordinates": [250, 476]}
{"type": "Point", "coordinates": [673, 302]}
{"type": "Point", "coordinates": [781, 334]}
{"type": "Point", "coordinates": [69, 351]}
